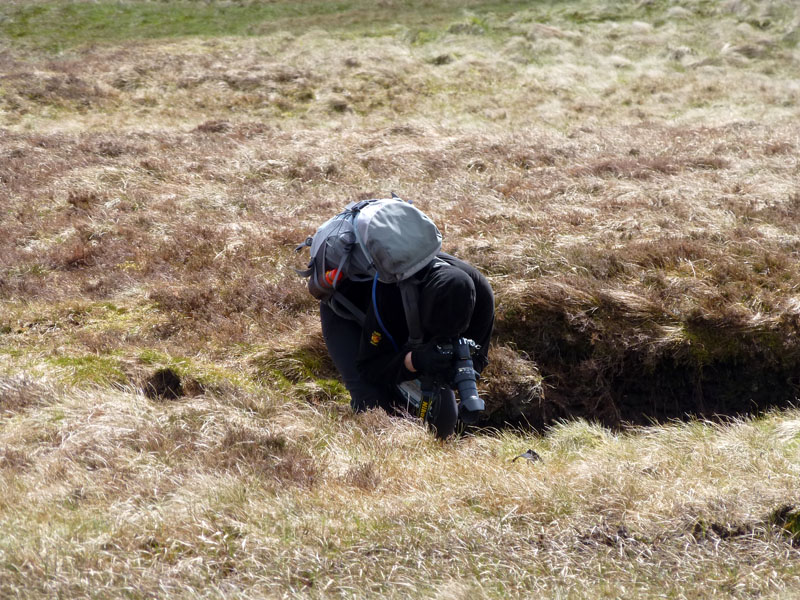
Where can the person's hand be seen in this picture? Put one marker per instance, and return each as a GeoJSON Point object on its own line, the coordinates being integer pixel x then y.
{"type": "Point", "coordinates": [429, 360]}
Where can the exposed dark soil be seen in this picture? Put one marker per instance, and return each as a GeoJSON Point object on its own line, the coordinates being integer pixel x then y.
{"type": "Point", "coordinates": [164, 384]}
{"type": "Point", "coordinates": [715, 369]}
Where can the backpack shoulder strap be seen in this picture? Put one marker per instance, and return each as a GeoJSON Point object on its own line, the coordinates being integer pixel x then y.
{"type": "Point", "coordinates": [410, 295]}
{"type": "Point", "coordinates": [344, 308]}
{"type": "Point", "coordinates": [409, 291]}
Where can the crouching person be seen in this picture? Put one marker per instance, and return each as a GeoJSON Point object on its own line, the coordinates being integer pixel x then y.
{"type": "Point", "coordinates": [378, 359]}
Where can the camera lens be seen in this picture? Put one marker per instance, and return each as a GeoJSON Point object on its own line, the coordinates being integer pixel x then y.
{"type": "Point", "coordinates": [464, 379]}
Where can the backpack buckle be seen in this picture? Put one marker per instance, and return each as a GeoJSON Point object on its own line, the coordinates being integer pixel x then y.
{"type": "Point", "coordinates": [305, 244]}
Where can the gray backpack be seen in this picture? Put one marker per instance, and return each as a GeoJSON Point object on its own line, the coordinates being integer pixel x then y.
{"type": "Point", "coordinates": [388, 240]}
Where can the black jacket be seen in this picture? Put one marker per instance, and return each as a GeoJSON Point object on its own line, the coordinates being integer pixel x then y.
{"type": "Point", "coordinates": [381, 361]}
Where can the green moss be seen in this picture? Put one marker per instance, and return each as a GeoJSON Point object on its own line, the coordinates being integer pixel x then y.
{"type": "Point", "coordinates": [787, 518]}
{"type": "Point", "coordinates": [333, 389]}
{"type": "Point", "coordinates": [304, 372]}
{"type": "Point", "coordinates": [709, 342]}
{"type": "Point", "coordinates": [154, 357]}
{"type": "Point", "coordinates": [696, 346]}
{"type": "Point", "coordinates": [207, 375]}
{"type": "Point", "coordinates": [91, 368]}
{"type": "Point", "coordinates": [113, 308]}
{"type": "Point", "coordinates": [419, 37]}
{"type": "Point", "coordinates": [296, 365]}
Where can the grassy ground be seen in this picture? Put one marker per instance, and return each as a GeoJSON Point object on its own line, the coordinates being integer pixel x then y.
{"type": "Point", "coordinates": [58, 25]}
{"type": "Point", "coordinates": [625, 174]}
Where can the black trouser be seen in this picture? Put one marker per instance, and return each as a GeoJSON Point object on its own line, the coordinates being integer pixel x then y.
{"type": "Point", "coordinates": [343, 337]}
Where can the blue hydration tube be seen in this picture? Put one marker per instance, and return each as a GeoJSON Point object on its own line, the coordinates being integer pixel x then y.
{"type": "Point", "coordinates": [378, 316]}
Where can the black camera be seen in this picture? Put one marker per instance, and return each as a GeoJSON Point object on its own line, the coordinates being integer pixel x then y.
{"type": "Point", "coordinates": [460, 375]}
{"type": "Point", "coordinates": [422, 396]}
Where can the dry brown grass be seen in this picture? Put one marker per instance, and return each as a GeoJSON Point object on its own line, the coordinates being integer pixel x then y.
{"type": "Point", "coordinates": [629, 186]}
{"type": "Point", "coordinates": [108, 493]}
{"type": "Point", "coordinates": [668, 237]}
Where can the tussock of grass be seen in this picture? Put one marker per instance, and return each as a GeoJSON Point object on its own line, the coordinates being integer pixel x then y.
{"type": "Point", "coordinates": [20, 392]}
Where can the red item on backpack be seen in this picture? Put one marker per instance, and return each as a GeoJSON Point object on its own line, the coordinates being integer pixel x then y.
{"type": "Point", "coordinates": [333, 276]}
